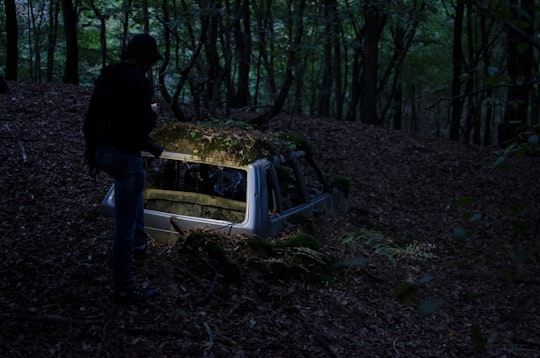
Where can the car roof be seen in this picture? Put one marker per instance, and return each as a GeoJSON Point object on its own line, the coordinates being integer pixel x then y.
{"type": "Point", "coordinates": [226, 143]}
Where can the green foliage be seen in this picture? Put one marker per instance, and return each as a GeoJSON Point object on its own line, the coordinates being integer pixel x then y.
{"type": "Point", "coordinates": [211, 247]}
{"type": "Point", "coordinates": [296, 257]}
{"type": "Point", "coordinates": [297, 142]}
{"type": "Point", "coordinates": [300, 240]}
{"type": "Point", "coordinates": [342, 183]}
{"type": "Point", "coordinates": [429, 307]}
{"type": "Point", "coordinates": [520, 147]}
{"type": "Point", "coordinates": [393, 249]}
{"type": "Point", "coordinates": [461, 234]}
{"type": "Point", "coordinates": [406, 294]}
{"type": "Point", "coordinates": [477, 340]}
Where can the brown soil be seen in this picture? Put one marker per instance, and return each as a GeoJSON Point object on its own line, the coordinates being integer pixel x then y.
{"type": "Point", "coordinates": [406, 286]}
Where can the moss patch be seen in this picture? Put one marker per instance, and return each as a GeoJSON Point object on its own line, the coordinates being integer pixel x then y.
{"type": "Point", "coordinates": [230, 141]}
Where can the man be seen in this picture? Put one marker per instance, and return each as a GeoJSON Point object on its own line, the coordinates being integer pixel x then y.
{"type": "Point", "coordinates": [116, 129]}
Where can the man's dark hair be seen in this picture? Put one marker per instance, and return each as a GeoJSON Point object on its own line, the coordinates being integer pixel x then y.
{"type": "Point", "coordinates": [142, 48]}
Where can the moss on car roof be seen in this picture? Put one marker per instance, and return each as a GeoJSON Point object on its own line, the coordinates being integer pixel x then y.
{"type": "Point", "coordinates": [229, 140]}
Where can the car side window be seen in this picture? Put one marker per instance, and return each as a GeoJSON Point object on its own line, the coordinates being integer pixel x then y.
{"type": "Point", "coordinates": [272, 192]}
{"type": "Point", "coordinates": [315, 185]}
{"type": "Point", "coordinates": [289, 185]}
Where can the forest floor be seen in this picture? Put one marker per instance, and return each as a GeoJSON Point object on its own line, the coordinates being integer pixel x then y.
{"type": "Point", "coordinates": [407, 286]}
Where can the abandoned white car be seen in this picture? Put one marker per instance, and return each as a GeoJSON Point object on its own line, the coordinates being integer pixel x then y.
{"type": "Point", "coordinates": [231, 181]}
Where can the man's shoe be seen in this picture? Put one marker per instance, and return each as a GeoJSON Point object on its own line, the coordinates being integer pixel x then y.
{"type": "Point", "coordinates": [134, 294]}
{"type": "Point", "coordinates": [139, 253]}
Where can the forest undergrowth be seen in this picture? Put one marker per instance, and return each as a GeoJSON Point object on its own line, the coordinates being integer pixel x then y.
{"type": "Point", "coordinates": [438, 256]}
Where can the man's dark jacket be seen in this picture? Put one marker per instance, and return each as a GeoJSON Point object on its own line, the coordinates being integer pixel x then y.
{"type": "Point", "coordinates": [120, 113]}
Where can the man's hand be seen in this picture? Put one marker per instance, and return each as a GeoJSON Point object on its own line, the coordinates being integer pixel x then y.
{"type": "Point", "coordinates": [90, 155]}
{"type": "Point", "coordinates": [153, 148]}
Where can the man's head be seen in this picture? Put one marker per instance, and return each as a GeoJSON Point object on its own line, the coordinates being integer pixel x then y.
{"type": "Point", "coordinates": [143, 49]}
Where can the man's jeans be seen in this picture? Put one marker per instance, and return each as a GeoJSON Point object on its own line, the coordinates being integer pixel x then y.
{"type": "Point", "coordinates": [129, 180]}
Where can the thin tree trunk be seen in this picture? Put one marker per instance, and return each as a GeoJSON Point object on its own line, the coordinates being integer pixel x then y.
{"type": "Point", "coordinates": [102, 32]}
{"type": "Point", "coordinates": [356, 86]}
{"type": "Point", "coordinates": [339, 96]}
{"type": "Point", "coordinates": [12, 51]}
{"type": "Point", "coordinates": [398, 106]}
{"type": "Point", "coordinates": [457, 61]}
{"type": "Point", "coordinates": [264, 27]}
{"type": "Point", "coordinates": [125, 22]}
{"type": "Point", "coordinates": [71, 73]}
{"type": "Point", "coordinates": [327, 77]}
{"type": "Point", "coordinates": [54, 10]}
{"type": "Point", "coordinates": [520, 60]}
{"type": "Point", "coordinates": [374, 24]}
{"type": "Point", "coordinates": [242, 32]}
{"type": "Point", "coordinates": [289, 71]}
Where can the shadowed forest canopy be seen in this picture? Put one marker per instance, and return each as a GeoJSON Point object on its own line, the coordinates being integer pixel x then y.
{"type": "Point", "coordinates": [465, 70]}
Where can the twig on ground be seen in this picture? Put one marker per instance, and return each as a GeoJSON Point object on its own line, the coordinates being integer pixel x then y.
{"type": "Point", "coordinates": [211, 336]}
{"type": "Point", "coordinates": [46, 318]}
{"type": "Point", "coordinates": [320, 338]}
{"type": "Point", "coordinates": [394, 344]}
{"type": "Point", "coordinates": [23, 151]}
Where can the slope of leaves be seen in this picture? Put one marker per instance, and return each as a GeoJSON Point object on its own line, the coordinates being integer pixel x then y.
{"type": "Point", "coordinates": [401, 285]}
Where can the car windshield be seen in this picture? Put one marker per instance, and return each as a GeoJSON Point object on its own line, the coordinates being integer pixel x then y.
{"type": "Point", "coordinates": [196, 189]}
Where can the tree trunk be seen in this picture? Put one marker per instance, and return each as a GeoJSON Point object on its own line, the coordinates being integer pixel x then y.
{"type": "Point", "coordinates": [54, 10]}
{"type": "Point", "coordinates": [519, 64]}
{"type": "Point", "coordinates": [339, 96]}
{"type": "Point", "coordinates": [125, 22]}
{"type": "Point", "coordinates": [71, 73]}
{"type": "Point", "coordinates": [374, 24]}
{"type": "Point", "coordinates": [398, 106]}
{"type": "Point", "coordinates": [327, 77]}
{"type": "Point", "coordinates": [184, 73]}
{"type": "Point", "coordinates": [243, 47]}
{"type": "Point", "coordinates": [488, 115]}
{"type": "Point", "coordinates": [210, 85]}
{"type": "Point", "coordinates": [102, 32]}
{"type": "Point", "coordinates": [12, 50]}
{"type": "Point", "coordinates": [167, 55]}
{"type": "Point", "coordinates": [289, 72]}
{"type": "Point", "coordinates": [264, 19]}
{"type": "Point", "coordinates": [403, 35]}
{"type": "Point", "coordinates": [356, 86]}
{"type": "Point", "coordinates": [457, 62]}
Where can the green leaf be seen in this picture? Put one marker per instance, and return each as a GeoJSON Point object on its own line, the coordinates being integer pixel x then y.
{"type": "Point", "coordinates": [533, 141]}
{"type": "Point", "coordinates": [429, 307]}
{"type": "Point", "coordinates": [464, 201]}
{"type": "Point", "coordinates": [509, 149]}
{"type": "Point", "coordinates": [501, 162]}
{"type": "Point", "coordinates": [425, 279]}
{"type": "Point", "coordinates": [517, 256]}
{"type": "Point", "coordinates": [459, 233]}
{"type": "Point", "coordinates": [477, 340]}
{"type": "Point", "coordinates": [349, 239]}
{"type": "Point", "coordinates": [475, 217]}
{"type": "Point", "coordinates": [518, 210]}
{"type": "Point", "coordinates": [405, 293]}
